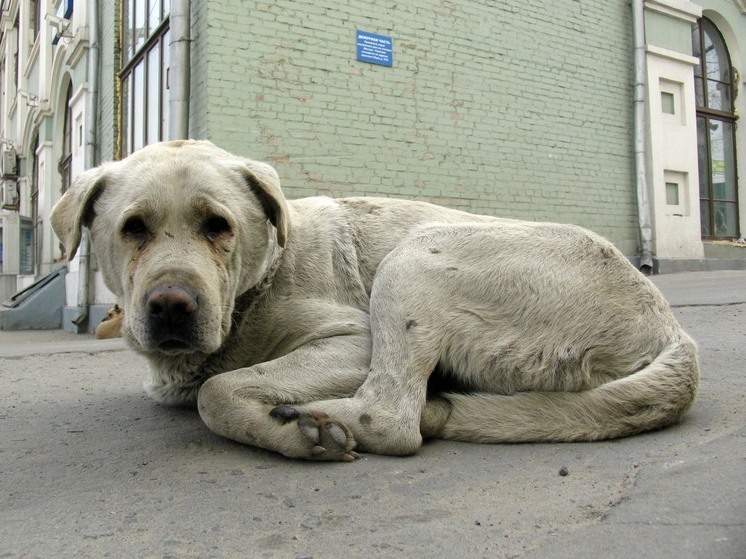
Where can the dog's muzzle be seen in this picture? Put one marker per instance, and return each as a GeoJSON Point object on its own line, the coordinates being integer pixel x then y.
{"type": "Point", "coordinates": [171, 312]}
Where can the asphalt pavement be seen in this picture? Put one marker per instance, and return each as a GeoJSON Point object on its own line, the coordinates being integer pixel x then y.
{"type": "Point", "coordinates": [90, 467]}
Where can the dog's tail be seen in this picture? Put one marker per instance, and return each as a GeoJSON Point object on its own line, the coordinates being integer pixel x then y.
{"type": "Point", "coordinates": [653, 397]}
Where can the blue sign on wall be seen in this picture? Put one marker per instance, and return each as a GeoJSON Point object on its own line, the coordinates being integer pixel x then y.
{"type": "Point", "coordinates": [376, 49]}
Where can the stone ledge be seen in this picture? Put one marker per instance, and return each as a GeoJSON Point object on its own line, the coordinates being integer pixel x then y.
{"type": "Point", "coordinates": [674, 265]}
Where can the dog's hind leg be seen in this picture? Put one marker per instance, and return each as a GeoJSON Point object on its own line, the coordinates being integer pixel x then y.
{"type": "Point", "coordinates": [654, 397]}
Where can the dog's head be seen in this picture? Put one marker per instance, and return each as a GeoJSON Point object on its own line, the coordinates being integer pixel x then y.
{"type": "Point", "coordinates": [180, 229]}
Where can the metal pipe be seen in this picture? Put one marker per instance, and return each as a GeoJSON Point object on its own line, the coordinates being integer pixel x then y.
{"type": "Point", "coordinates": [84, 259]}
{"type": "Point", "coordinates": [640, 137]}
{"type": "Point", "coordinates": [118, 93]}
{"type": "Point", "coordinates": [84, 251]}
{"type": "Point", "coordinates": [180, 72]}
{"type": "Point", "coordinates": [93, 82]}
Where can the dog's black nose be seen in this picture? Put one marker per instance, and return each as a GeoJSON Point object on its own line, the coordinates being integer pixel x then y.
{"type": "Point", "coordinates": [171, 310]}
{"type": "Point", "coordinates": [170, 304]}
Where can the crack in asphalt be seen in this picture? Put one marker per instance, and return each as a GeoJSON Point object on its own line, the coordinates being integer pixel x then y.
{"type": "Point", "coordinates": [688, 305]}
{"type": "Point", "coordinates": [675, 524]}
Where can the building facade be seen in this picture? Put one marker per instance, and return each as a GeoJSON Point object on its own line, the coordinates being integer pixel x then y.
{"type": "Point", "coordinates": [620, 118]}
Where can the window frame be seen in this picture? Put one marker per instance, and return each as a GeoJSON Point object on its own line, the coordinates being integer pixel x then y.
{"type": "Point", "coordinates": [134, 132]}
{"type": "Point", "coordinates": [708, 115]}
{"type": "Point", "coordinates": [64, 166]}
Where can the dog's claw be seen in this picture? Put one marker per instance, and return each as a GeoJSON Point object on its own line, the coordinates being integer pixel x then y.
{"type": "Point", "coordinates": [317, 450]}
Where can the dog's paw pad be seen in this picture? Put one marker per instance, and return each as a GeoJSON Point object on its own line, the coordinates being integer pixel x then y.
{"type": "Point", "coordinates": [324, 438]}
{"type": "Point", "coordinates": [309, 428]}
{"type": "Point", "coordinates": [337, 433]}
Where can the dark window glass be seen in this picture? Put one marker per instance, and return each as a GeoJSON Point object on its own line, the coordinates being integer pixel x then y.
{"type": "Point", "coordinates": [716, 139]}
{"type": "Point", "coordinates": [144, 77]}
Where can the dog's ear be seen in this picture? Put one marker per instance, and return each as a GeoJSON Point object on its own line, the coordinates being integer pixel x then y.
{"type": "Point", "coordinates": [265, 184]}
{"type": "Point", "coordinates": [75, 208]}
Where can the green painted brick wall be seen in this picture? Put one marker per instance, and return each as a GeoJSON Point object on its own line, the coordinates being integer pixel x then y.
{"type": "Point", "coordinates": [519, 108]}
{"type": "Point", "coordinates": [108, 73]}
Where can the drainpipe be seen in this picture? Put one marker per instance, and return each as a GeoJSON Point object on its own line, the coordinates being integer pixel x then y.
{"type": "Point", "coordinates": [84, 251]}
{"type": "Point", "coordinates": [179, 74]}
{"type": "Point", "coordinates": [640, 137]}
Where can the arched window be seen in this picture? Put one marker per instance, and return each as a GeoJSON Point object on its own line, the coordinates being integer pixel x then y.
{"type": "Point", "coordinates": [35, 218]}
{"type": "Point", "coordinates": [716, 133]}
{"type": "Point", "coordinates": [64, 167]}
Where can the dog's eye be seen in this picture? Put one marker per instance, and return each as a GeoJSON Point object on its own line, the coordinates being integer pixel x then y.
{"type": "Point", "coordinates": [216, 227]}
{"type": "Point", "coordinates": [134, 228]}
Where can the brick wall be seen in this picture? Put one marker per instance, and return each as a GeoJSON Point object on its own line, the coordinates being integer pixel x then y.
{"type": "Point", "coordinates": [519, 108]}
{"type": "Point", "coordinates": [108, 79]}
{"type": "Point", "coordinates": [202, 38]}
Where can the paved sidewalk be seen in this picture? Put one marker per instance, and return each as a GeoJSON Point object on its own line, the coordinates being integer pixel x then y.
{"type": "Point", "coordinates": [16, 343]}
{"type": "Point", "coordinates": [90, 467]}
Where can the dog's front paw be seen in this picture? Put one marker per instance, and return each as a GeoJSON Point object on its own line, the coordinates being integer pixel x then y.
{"type": "Point", "coordinates": [324, 438]}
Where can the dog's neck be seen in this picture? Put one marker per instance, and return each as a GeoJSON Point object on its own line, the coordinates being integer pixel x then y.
{"type": "Point", "coordinates": [245, 304]}
{"type": "Point", "coordinates": [247, 301]}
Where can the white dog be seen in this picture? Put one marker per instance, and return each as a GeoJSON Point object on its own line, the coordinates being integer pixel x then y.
{"type": "Point", "coordinates": [312, 327]}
